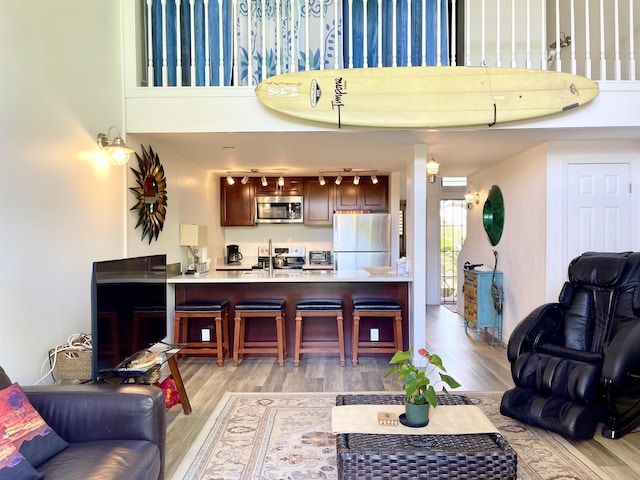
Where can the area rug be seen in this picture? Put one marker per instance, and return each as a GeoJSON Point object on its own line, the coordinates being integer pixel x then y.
{"type": "Point", "coordinates": [288, 436]}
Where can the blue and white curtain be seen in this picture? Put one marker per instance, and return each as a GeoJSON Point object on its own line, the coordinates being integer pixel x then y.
{"type": "Point", "coordinates": [409, 14]}
{"type": "Point", "coordinates": [279, 36]}
{"type": "Point", "coordinates": [250, 40]}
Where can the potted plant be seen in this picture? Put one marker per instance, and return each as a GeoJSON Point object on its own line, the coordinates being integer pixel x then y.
{"type": "Point", "coordinates": [419, 390]}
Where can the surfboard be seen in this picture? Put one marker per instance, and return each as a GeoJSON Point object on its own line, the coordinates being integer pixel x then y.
{"type": "Point", "coordinates": [424, 97]}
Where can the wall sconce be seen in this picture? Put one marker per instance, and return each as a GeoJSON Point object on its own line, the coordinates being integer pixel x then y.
{"type": "Point", "coordinates": [471, 199]}
{"type": "Point", "coordinates": [433, 168]}
{"type": "Point", "coordinates": [194, 237]}
{"type": "Point", "coordinates": [116, 149]}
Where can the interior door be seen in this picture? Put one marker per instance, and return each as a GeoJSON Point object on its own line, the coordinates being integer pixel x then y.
{"type": "Point", "coordinates": [599, 208]}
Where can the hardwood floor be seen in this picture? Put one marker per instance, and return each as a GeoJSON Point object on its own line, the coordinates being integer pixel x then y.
{"type": "Point", "coordinates": [478, 366]}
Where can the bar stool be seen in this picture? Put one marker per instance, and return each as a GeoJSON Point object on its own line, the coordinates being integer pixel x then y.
{"type": "Point", "coordinates": [217, 310]}
{"type": "Point", "coordinates": [319, 308]}
{"type": "Point", "coordinates": [376, 308]}
{"type": "Point", "coordinates": [259, 309]}
{"type": "Point", "coordinates": [142, 316]}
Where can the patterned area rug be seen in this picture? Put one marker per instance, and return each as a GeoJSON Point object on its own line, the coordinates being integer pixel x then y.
{"type": "Point", "coordinates": [288, 436]}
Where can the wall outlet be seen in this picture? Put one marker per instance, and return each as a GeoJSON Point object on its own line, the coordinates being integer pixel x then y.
{"type": "Point", "coordinates": [206, 334]}
{"type": "Point", "coordinates": [374, 335]}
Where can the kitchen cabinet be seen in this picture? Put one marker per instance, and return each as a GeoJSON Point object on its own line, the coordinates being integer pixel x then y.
{"type": "Point", "coordinates": [292, 186]}
{"type": "Point", "coordinates": [478, 302]}
{"type": "Point", "coordinates": [237, 204]}
{"type": "Point", "coordinates": [319, 201]}
{"type": "Point", "coordinates": [365, 196]}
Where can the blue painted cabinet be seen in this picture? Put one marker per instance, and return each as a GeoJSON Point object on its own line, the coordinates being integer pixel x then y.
{"type": "Point", "coordinates": [479, 308]}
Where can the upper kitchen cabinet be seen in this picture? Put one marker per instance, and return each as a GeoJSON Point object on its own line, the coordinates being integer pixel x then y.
{"type": "Point", "coordinates": [292, 186]}
{"type": "Point", "coordinates": [365, 196]}
{"type": "Point", "coordinates": [237, 204]}
{"type": "Point", "coordinates": [319, 201]}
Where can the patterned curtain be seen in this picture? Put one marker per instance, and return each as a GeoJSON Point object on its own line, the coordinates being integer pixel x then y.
{"type": "Point", "coordinates": [298, 35]}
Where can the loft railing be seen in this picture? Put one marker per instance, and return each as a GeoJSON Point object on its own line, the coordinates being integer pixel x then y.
{"type": "Point", "coordinates": [208, 43]}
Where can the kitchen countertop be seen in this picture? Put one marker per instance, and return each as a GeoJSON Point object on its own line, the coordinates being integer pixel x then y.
{"type": "Point", "coordinates": [287, 275]}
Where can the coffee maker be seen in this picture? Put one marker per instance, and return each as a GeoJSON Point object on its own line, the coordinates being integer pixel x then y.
{"type": "Point", "coordinates": [233, 254]}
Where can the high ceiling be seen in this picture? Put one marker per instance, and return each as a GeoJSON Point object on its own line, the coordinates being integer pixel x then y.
{"type": "Point", "coordinates": [459, 152]}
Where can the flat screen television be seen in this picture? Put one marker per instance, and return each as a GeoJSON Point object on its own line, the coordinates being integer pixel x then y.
{"type": "Point", "coordinates": [128, 309]}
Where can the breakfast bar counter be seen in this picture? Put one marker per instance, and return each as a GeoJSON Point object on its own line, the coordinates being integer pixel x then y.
{"type": "Point", "coordinates": [293, 286]}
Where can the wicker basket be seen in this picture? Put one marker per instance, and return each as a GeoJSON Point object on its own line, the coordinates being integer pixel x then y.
{"type": "Point", "coordinates": [72, 364]}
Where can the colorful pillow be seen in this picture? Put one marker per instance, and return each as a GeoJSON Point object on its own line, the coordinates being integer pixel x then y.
{"type": "Point", "coordinates": [13, 466]}
{"type": "Point", "coordinates": [33, 438]}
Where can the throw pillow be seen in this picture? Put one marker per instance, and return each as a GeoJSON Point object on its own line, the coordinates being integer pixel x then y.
{"type": "Point", "coordinates": [28, 431]}
{"type": "Point", "coordinates": [13, 466]}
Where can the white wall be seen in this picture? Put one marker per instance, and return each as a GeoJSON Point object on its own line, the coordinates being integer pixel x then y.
{"type": "Point", "coordinates": [60, 207]}
{"type": "Point", "coordinates": [522, 248]}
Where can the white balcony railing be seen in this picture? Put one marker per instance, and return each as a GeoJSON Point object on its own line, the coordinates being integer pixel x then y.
{"type": "Point", "coordinates": [240, 42]}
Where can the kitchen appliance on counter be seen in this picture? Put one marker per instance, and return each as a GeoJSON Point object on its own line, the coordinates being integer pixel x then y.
{"type": "Point", "coordinates": [361, 240]}
{"type": "Point", "coordinates": [233, 254]}
{"type": "Point", "coordinates": [283, 257]}
{"type": "Point", "coordinates": [319, 257]}
{"type": "Point", "coordinates": [279, 209]}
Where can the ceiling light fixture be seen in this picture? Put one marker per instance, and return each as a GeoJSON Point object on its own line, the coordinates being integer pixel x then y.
{"type": "Point", "coordinates": [263, 181]}
{"type": "Point", "coordinates": [356, 179]}
{"type": "Point", "coordinates": [244, 180]}
{"type": "Point", "coordinates": [281, 181]}
{"type": "Point", "coordinates": [338, 179]}
{"type": "Point", "coordinates": [433, 169]}
{"type": "Point", "coordinates": [116, 149]}
{"type": "Point", "coordinates": [322, 180]}
{"type": "Point", "coordinates": [230, 179]}
{"type": "Point", "coordinates": [374, 179]}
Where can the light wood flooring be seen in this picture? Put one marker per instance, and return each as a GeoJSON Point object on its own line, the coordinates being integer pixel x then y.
{"type": "Point", "coordinates": [478, 366]}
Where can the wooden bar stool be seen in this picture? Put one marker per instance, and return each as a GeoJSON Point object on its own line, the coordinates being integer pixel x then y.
{"type": "Point", "coordinates": [376, 308]}
{"type": "Point", "coordinates": [259, 309]}
{"type": "Point", "coordinates": [319, 308]}
{"type": "Point", "coordinates": [216, 310]}
{"type": "Point", "coordinates": [142, 318]}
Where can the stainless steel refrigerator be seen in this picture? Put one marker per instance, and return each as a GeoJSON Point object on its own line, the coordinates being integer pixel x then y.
{"type": "Point", "coordinates": [361, 240]}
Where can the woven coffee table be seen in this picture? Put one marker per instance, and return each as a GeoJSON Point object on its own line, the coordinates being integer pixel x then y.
{"type": "Point", "coordinates": [469, 456]}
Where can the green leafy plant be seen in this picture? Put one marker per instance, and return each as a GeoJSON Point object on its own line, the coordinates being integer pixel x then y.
{"type": "Point", "coordinates": [415, 380]}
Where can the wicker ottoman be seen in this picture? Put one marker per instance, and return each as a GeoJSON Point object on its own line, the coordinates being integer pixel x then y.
{"type": "Point", "coordinates": [471, 456]}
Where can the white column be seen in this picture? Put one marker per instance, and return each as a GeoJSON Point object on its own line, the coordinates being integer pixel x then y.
{"type": "Point", "coordinates": [416, 220]}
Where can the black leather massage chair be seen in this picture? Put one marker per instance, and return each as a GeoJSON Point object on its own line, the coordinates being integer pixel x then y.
{"type": "Point", "coordinates": [576, 363]}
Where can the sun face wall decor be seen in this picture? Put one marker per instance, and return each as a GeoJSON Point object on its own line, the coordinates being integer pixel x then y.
{"type": "Point", "coordinates": [152, 194]}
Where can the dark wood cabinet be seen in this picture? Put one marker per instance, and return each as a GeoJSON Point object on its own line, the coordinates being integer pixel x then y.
{"type": "Point", "coordinates": [319, 201]}
{"type": "Point", "coordinates": [365, 196]}
{"type": "Point", "coordinates": [292, 186]}
{"type": "Point", "coordinates": [237, 204]}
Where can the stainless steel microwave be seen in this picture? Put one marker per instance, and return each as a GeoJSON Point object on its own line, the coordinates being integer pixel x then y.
{"type": "Point", "coordinates": [279, 209]}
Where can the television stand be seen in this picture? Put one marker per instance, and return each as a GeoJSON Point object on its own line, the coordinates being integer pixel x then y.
{"type": "Point", "coordinates": [170, 354]}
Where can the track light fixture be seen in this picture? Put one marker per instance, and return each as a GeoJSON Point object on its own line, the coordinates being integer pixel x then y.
{"type": "Point", "coordinates": [321, 180]}
{"type": "Point", "coordinates": [263, 181]}
{"type": "Point", "coordinates": [244, 180]}
{"type": "Point", "coordinates": [338, 179]}
{"type": "Point", "coordinates": [281, 181]}
{"type": "Point", "coordinates": [230, 179]}
{"type": "Point", "coordinates": [356, 173]}
{"type": "Point", "coordinates": [374, 179]}
{"type": "Point", "coordinates": [116, 149]}
{"type": "Point", "coordinates": [356, 179]}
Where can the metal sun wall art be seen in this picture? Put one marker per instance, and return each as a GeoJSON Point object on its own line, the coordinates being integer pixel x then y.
{"type": "Point", "coordinates": [152, 194]}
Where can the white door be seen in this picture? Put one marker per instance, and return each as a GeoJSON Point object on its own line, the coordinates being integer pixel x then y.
{"type": "Point", "coordinates": [599, 208]}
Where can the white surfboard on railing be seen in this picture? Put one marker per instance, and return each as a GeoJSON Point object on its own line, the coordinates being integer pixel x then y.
{"type": "Point", "coordinates": [424, 97]}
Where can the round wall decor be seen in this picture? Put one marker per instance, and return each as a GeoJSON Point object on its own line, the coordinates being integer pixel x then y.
{"type": "Point", "coordinates": [493, 215]}
{"type": "Point", "coordinates": [152, 194]}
